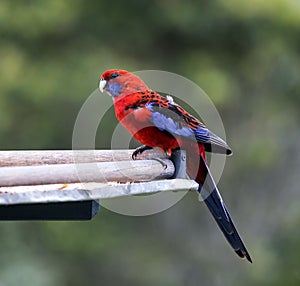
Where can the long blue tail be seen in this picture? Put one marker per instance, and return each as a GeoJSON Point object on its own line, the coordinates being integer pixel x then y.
{"type": "Point", "coordinates": [212, 198]}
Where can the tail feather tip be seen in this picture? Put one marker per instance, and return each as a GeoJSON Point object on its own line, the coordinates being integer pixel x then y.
{"type": "Point", "coordinates": [243, 254]}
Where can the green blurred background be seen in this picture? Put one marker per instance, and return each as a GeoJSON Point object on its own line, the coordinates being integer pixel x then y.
{"type": "Point", "coordinates": [244, 54]}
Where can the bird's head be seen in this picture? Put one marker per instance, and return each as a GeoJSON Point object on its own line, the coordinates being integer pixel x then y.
{"type": "Point", "coordinates": [120, 82]}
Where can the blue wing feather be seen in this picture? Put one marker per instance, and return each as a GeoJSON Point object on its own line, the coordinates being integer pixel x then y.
{"type": "Point", "coordinates": [171, 120]}
{"type": "Point", "coordinates": [176, 125]}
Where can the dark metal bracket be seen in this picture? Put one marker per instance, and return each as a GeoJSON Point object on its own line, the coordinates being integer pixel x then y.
{"type": "Point", "coordinates": [81, 210]}
{"type": "Point", "coordinates": [178, 158]}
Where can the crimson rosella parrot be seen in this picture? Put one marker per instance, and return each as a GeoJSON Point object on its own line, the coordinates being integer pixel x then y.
{"type": "Point", "coordinates": [157, 121]}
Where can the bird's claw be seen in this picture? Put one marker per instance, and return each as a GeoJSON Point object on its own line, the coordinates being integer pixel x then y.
{"type": "Point", "coordinates": [139, 150]}
{"type": "Point", "coordinates": [164, 164]}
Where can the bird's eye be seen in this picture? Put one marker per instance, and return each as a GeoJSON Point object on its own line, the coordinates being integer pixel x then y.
{"type": "Point", "coordinates": [114, 75]}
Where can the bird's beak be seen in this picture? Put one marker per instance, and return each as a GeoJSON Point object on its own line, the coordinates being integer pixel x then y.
{"type": "Point", "coordinates": [102, 84]}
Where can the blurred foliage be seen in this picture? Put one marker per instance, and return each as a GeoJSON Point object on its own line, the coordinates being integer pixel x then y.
{"type": "Point", "coordinates": [244, 54]}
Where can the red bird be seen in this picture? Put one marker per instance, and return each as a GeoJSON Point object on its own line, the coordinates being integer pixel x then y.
{"type": "Point", "coordinates": [157, 121]}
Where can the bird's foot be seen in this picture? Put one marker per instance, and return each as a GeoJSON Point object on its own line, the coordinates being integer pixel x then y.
{"type": "Point", "coordinates": [160, 161]}
{"type": "Point", "coordinates": [139, 150]}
